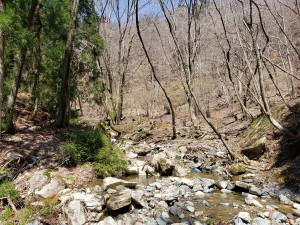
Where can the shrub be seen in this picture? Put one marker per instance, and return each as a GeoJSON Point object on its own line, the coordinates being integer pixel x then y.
{"type": "Point", "coordinates": [92, 145]}
{"type": "Point", "coordinates": [8, 190]}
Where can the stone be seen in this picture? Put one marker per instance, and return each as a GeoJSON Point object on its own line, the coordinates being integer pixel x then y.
{"type": "Point", "coordinates": [252, 201]}
{"type": "Point", "coordinates": [285, 200]}
{"type": "Point", "coordinates": [161, 220]}
{"type": "Point", "coordinates": [242, 185]}
{"type": "Point", "coordinates": [108, 221]}
{"type": "Point", "coordinates": [239, 221]}
{"type": "Point", "coordinates": [74, 212]}
{"type": "Point", "coordinates": [119, 200]}
{"type": "Point", "coordinates": [205, 182]}
{"type": "Point", "coordinates": [255, 191]}
{"type": "Point", "coordinates": [237, 169]}
{"type": "Point", "coordinates": [245, 216]}
{"type": "Point", "coordinates": [50, 190]}
{"type": "Point", "coordinates": [296, 212]}
{"type": "Point", "coordinates": [296, 205]}
{"type": "Point", "coordinates": [256, 150]}
{"type": "Point", "coordinates": [222, 184]}
{"type": "Point", "coordinates": [199, 194]}
{"type": "Point", "coordinates": [142, 151]}
{"type": "Point", "coordinates": [276, 215]}
{"type": "Point", "coordinates": [165, 167]}
{"type": "Point", "coordinates": [162, 206]}
{"type": "Point", "coordinates": [261, 221]}
{"type": "Point", "coordinates": [112, 182]}
{"type": "Point", "coordinates": [179, 170]}
{"type": "Point", "coordinates": [190, 208]}
{"type": "Point", "coordinates": [137, 198]}
{"type": "Point", "coordinates": [35, 222]}
{"type": "Point", "coordinates": [132, 155]}
{"type": "Point", "coordinates": [132, 170]}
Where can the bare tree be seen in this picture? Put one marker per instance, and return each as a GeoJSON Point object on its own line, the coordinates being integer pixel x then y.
{"type": "Point", "coordinates": [2, 49]}
{"type": "Point", "coordinates": [154, 73]}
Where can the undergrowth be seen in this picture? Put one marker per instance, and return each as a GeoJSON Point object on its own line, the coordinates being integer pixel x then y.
{"type": "Point", "coordinates": [91, 145]}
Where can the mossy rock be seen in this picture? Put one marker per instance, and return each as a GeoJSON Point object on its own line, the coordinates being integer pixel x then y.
{"type": "Point", "coordinates": [237, 169]}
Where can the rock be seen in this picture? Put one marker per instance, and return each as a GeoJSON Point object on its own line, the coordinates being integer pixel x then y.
{"type": "Point", "coordinates": [119, 200]}
{"type": "Point", "coordinates": [50, 190]}
{"type": "Point", "coordinates": [245, 216]}
{"type": "Point", "coordinates": [180, 170]}
{"type": "Point", "coordinates": [74, 212]}
{"type": "Point", "coordinates": [108, 221]}
{"type": "Point", "coordinates": [256, 150]}
{"type": "Point", "coordinates": [142, 151]}
{"type": "Point", "coordinates": [162, 206]}
{"type": "Point", "coordinates": [255, 191]}
{"type": "Point", "coordinates": [222, 184]}
{"type": "Point", "coordinates": [252, 201]}
{"type": "Point", "coordinates": [137, 198]}
{"type": "Point", "coordinates": [297, 212]}
{"type": "Point", "coordinates": [237, 169]}
{"type": "Point", "coordinates": [190, 208]}
{"type": "Point", "coordinates": [165, 167]}
{"type": "Point", "coordinates": [296, 205]}
{"type": "Point", "coordinates": [132, 170]}
{"type": "Point", "coordinates": [205, 182]}
{"type": "Point", "coordinates": [242, 185]}
{"type": "Point", "coordinates": [35, 222]}
{"type": "Point", "coordinates": [285, 200]}
{"type": "Point", "coordinates": [239, 221]}
{"type": "Point", "coordinates": [111, 182]}
{"type": "Point", "coordinates": [161, 221]}
{"type": "Point", "coordinates": [132, 155]}
{"type": "Point", "coordinates": [276, 215]}
{"type": "Point", "coordinates": [199, 194]}
{"type": "Point", "coordinates": [261, 221]}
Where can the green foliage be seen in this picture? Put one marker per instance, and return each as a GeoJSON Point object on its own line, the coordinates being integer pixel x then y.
{"type": "Point", "coordinates": [6, 213]}
{"type": "Point", "coordinates": [8, 190]}
{"type": "Point", "coordinates": [92, 145]}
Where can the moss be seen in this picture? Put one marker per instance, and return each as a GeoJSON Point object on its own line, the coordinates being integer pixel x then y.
{"type": "Point", "coordinates": [48, 172]}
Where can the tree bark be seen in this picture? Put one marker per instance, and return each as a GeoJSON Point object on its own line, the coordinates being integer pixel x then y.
{"type": "Point", "coordinates": [64, 97]}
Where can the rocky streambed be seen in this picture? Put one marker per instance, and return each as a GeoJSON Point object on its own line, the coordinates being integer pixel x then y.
{"type": "Point", "coordinates": [168, 183]}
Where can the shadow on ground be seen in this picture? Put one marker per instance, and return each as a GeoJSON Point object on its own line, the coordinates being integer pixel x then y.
{"type": "Point", "coordinates": [289, 152]}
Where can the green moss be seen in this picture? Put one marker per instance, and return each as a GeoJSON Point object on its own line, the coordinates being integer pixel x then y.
{"type": "Point", "coordinates": [48, 172]}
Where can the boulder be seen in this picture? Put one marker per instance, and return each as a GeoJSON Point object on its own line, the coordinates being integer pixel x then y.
{"type": "Point", "coordinates": [74, 212]}
{"type": "Point", "coordinates": [276, 215]}
{"type": "Point", "coordinates": [237, 169]}
{"type": "Point", "coordinates": [256, 150]}
{"type": "Point", "coordinates": [119, 200]}
{"type": "Point", "coordinates": [50, 190]}
{"type": "Point", "coordinates": [245, 216]}
{"type": "Point", "coordinates": [242, 185]}
{"type": "Point", "coordinates": [111, 182]}
{"type": "Point", "coordinates": [137, 198]}
{"type": "Point", "coordinates": [285, 200]}
{"type": "Point", "coordinates": [261, 221]}
{"type": "Point", "coordinates": [165, 167]}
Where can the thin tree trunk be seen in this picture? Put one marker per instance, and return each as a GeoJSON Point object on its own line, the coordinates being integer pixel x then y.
{"type": "Point", "coordinates": [64, 97]}
{"type": "Point", "coordinates": [20, 65]}
{"type": "Point", "coordinates": [2, 50]}
{"type": "Point", "coordinates": [154, 73]}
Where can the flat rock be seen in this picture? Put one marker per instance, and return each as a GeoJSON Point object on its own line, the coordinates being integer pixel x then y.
{"type": "Point", "coordinates": [137, 198]}
{"type": "Point", "coordinates": [119, 200]}
{"type": "Point", "coordinates": [254, 202]}
{"type": "Point", "coordinates": [50, 190]}
{"type": "Point", "coordinates": [276, 215]}
{"type": "Point", "coordinates": [242, 185]}
{"type": "Point", "coordinates": [285, 200]}
{"type": "Point", "coordinates": [112, 182]}
{"type": "Point", "coordinates": [74, 212]}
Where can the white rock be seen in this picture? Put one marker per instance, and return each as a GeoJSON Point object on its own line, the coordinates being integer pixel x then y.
{"type": "Point", "coordinates": [111, 182]}
{"type": "Point", "coordinates": [245, 216]}
{"type": "Point", "coordinates": [50, 190]}
{"type": "Point", "coordinates": [74, 213]}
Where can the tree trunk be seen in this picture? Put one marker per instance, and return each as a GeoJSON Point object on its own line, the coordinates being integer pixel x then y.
{"type": "Point", "coordinates": [2, 49]}
{"type": "Point", "coordinates": [155, 75]}
{"type": "Point", "coordinates": [64, 97]}
{"type": "Point", "coordinates": [20, 65]}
